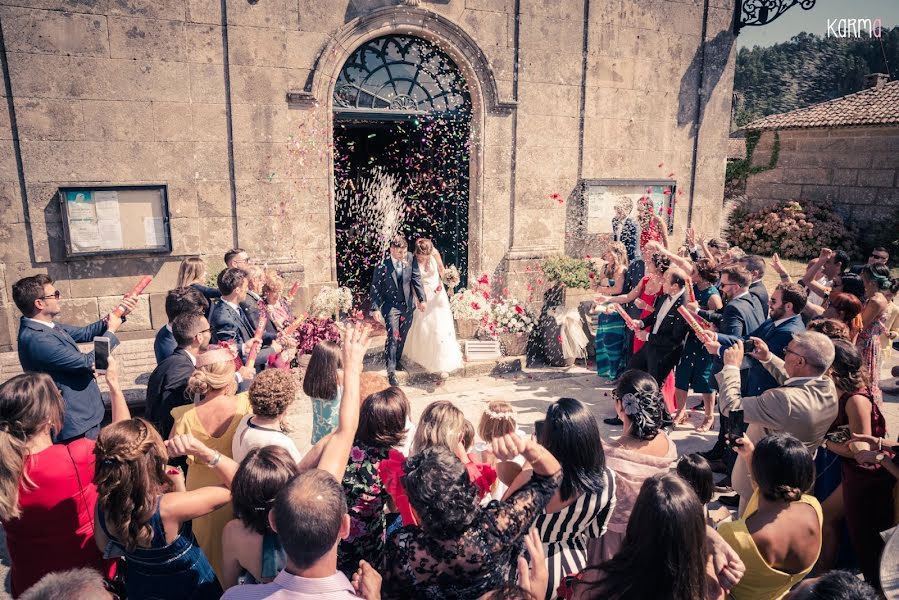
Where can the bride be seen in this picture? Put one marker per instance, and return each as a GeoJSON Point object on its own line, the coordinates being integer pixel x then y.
{"type": "Point", "coordinates": [431, 341]}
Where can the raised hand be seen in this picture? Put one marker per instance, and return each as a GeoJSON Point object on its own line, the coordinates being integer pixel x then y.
{"type": "Point", "coordinates": [367, 582]}
{"type": "Point", "coordinates": [733, 356]}
{"type": "Point", "coordinates": [534, 577]}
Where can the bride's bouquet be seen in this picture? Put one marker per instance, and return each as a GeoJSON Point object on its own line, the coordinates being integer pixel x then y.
{"type": "Point", "coordinates": [451, 277]}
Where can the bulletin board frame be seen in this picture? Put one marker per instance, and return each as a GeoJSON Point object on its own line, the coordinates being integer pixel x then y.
{"type": "Point", "coordinates": [662, 192]}
{"type": "Point", "coordinates": [94, 226]}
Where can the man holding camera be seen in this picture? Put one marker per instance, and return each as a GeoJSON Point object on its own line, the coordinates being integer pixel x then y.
{"type": "Point", "coordinates": [804, 404]}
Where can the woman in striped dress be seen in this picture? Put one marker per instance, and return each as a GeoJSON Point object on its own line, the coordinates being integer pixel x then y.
{"type": "Point", "coordinates": [610, 328]}
{"type": "Point", "coordinates": [580, 508]}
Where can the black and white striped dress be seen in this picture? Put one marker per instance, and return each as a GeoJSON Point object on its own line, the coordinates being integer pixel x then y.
{"type": "Point", "coordinates": [565, 533]}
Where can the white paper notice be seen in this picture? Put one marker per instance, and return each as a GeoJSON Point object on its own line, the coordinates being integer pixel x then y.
{"type": "Point", "coordinates": [84, 235]}
{"type": "Point", "coordinates": [154, 231]}
{"type": "Point", "coordinates": [109, 219]}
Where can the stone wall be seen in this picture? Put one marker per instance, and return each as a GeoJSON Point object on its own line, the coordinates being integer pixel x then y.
{"type": "Point", "coordinates": [146, 91]}
{"type": "Point", "coordinates": [855, 167]}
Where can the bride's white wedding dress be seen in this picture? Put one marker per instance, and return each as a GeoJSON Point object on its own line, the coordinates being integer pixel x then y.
{"type": "Point", "coordinates": [431, 341]}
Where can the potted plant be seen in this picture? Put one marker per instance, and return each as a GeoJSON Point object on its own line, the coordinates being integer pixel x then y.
{"type": "Point", "coordinates": [311, 332]}
{"type": "Point", "coordinates": [511, 322]}
{"type": "Point", "coordinates": [572, 279]}
{"type": "Point", "coordinates": [469, 308]}
{"type": "Point", "coordinates": [332, 303]}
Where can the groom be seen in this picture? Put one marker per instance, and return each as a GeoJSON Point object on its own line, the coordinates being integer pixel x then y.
{"type": "Point", "coordinates": [392, 286]}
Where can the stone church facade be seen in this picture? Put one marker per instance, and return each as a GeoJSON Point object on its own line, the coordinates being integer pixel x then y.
{"type": "Point", "coordinates": [233, 112]}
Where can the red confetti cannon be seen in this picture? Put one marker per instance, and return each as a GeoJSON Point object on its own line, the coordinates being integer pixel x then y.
{"type": "Point", "coordinates": [292, 292]}
{"type": "Point", "coordinates": [691, 321]}
{"type": "Point", "coordinates": [257, 339]}
{"type": "Point", "coordinates": [691, 293]}
{"type": "Point", "coordinates": [135, 291]}
{"type": "Point", "coordinates": [290, 329]}
{"type": "Point", "coordinates": [631, 324]}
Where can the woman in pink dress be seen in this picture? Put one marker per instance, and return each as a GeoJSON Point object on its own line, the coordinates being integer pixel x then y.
{"type": "Point", "coordinates": [874, 319]}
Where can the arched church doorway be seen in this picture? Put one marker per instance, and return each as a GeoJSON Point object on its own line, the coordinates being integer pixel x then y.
{"type": "Point", "coordinates": [402, 122]}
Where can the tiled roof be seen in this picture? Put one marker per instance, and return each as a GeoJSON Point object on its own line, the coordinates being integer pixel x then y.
{"type": "Point", "coordinates": [873, 106]}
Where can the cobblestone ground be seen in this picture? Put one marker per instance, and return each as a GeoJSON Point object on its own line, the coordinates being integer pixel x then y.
{"type": "Point", "coordinates": [530, 392]}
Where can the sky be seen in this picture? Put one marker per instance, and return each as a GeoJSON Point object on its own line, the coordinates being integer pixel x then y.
{"type": "Point", "coordinates": [796, 20]}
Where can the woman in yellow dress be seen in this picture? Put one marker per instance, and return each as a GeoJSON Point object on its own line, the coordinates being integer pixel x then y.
{"type": "Point", "coordinates": [212, 418]}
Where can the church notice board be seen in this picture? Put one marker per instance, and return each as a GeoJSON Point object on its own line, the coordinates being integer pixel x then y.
{"type": "Point", "coordinates": [132, 219]}
{"type": "Point", "coordinates": [601, 196]}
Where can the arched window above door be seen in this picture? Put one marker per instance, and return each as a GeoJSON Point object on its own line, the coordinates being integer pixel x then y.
{"type": "Point", "coordinates": [399, 75]}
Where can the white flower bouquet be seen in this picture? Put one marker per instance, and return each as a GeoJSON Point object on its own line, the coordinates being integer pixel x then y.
{"type": "Point", "coordinates": [469, 304]}
{"type": "Point", "coordinates": [507, 315]}
{"type": "Point", "coordinates": [330, 302]}
{"type": "Point", "coordinates": [451, 277]}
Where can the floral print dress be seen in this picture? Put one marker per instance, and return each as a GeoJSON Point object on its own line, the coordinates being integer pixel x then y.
{"type": "Point", "coordinates": [366, 496]}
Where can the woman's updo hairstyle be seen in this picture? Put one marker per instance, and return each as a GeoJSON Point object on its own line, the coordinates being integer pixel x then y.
{"type": "Point", "coordinates": [643, 404]}
{"type": "Point", "coordinates": [782, 468]}
{"type": "Point", "coordinates": [661, 261]}
{"type": "Point", "coordinates": [424, 247]}
{"type": "Point", "coordinates": [212, 376]}
{"type": "Point", "coordinates": [878, 275]}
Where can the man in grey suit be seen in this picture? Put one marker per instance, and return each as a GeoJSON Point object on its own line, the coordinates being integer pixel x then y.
{"type": "Point", "coordinates": [804, 405]}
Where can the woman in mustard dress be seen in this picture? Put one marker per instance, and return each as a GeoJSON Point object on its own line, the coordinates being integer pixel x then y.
{"type": "Point", "coordinates": [212, 418]}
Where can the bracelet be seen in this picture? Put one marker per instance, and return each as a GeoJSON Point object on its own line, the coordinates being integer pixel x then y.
{"type": "Point", "coordinates": [880, 443]}
{"type": "Point", "coordinates": [215, 459]}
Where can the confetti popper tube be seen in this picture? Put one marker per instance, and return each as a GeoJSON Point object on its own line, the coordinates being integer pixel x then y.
{"type": "Point", "coordinates": [691, 321]}
{"type": "Point", "coordinates": [135, 291]}
{"type": "Point", "coordinates": [627, 318]}
{"type": "Point", "coordinates": [293, 292]}
{"type": "Point", "coordinates": [295, 325]}
{"type": "Point", "coordinates": [257, 339]}
{"type": "Point", "coordinates": [702, 322]}
{"type": "Point", "coordinates": [691, 293]}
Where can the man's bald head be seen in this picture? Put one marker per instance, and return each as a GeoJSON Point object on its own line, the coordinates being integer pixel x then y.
{"type": "Point", "coordinates": [308, 515]}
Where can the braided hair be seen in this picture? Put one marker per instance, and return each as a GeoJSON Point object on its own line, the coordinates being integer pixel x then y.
{"type": "Point", "coordinates": [129, 475]}
{"type": "Point", "coordinates": [643, 404]}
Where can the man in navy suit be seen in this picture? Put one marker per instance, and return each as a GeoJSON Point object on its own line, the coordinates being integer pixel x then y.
{"type": "Point", "coordinates": [52, 348]}
{"type": "Point", "coordinates": [667, 330]}
{"type": "Point", "coordinates": [395, 290]}
{"type": "Point", "coordinates": [755, 264]}
{"type": "Point", "coordinates": [179, 301]}
{"type": "Point", "coordinates": [229, 322]}
{"type": "Point", "coordinates": [777, 331]}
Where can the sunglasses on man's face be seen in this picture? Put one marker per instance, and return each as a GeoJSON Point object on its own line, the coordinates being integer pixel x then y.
{"type": "Point", "coordinates": [55, 294]}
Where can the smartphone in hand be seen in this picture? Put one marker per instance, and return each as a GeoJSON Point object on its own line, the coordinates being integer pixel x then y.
{"type": "Point", "coordinates": [101, 354]}
{"type": "Point", "coordinates": [736, 428]}
{"type": "Point", "coordinates": [749, 346]}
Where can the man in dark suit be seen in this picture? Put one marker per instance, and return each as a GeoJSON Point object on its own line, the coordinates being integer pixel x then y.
{"type": "Point", "coordinates": [667, 330]}
{"type": "Point", "coordinates": [742, 312]}
{"type": "Point", "coordinates": [179, 301]}
{"type": "Point", "coordinates": [229, 322]}
{"type": "Point", "coordinates": [756, 266]}
{"type": "Point", "coordinates": [624, 228]}
{"type": "Point", "coordinates": [48, 347]}
{"type": "Point", "coordinates": [777, 331]}
{"type": "Point", "coordinates": [165, 389]}
{"type": "Point", "coordinates": [395, 290]}
{"type": "Point", "coordinates": [250, 304]}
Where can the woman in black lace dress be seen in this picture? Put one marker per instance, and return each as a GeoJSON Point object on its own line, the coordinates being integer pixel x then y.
{"type": "Point", "coordinates": [462, 551]}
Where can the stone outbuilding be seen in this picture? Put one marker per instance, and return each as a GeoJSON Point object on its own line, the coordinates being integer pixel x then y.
{"type": "Point", "coordinates": [245, 111]}
{"type": "Point", "coordinates": [845, 150]}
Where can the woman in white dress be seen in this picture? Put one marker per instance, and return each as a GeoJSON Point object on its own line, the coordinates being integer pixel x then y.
{"type": "Point", "coordinates": [431, 341]}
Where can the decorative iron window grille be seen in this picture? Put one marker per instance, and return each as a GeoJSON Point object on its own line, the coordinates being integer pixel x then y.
{"type": "Point", "coordinates": [400, 74]}
{"type": "Point", "coordinates": [762, 12]}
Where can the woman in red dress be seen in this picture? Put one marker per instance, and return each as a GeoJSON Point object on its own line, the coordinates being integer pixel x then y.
{"type": "Point", "coordinates": [652, 228]}
{"type": "Point", "coordinates": [47, 495]}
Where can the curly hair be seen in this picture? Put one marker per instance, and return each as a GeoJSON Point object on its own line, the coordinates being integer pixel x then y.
{"type": "Point", "coordinates": [642, 403]}
{"type": "Point", "coordinates": [272, 282]}
{"type": "Point", "coordinates": [706, 271]}
{"type": "Point", "coordinates": [835, 330]}
{"type": "Point", "coordinates": [847, 371]}
{"type": "Point", "coordinates": [441, 492]}
{"type": "Point", "coordinates": [129, 474]}
{"type": "Point", "coordinates": [272, 391]}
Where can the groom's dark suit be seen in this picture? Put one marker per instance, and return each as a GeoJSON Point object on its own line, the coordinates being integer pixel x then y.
{"type": "Point", "coordinates": [395, 295]}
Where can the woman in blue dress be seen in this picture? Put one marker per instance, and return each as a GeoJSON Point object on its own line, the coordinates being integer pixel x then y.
{"type": "Point", "coordinates": [695, 367]}
{"type": "Point", "coordinates": [610, 328]}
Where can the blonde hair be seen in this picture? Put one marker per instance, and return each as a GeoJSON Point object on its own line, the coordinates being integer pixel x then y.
{"type": "Point", "coordinates": [440, 424]}
{"type": "Point", "coordinates": [129, 474]}
{"type": "Point", "coordinates": [424, 247]}
{"type": "Point", "coordinates": [497, 420]}
{"type": "Point", "coordinates": [619, 253]}
{"type": "Point", "coordinates": [27, 403]}
{"type": "Point", "coordinates": [212, 377]}
{"type": "Point", "coordinates": [272, 283]}
{"type": "Point", "coordinates": [190, 271]}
